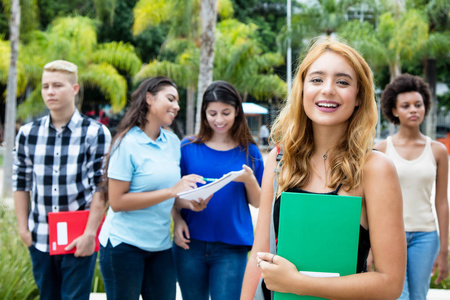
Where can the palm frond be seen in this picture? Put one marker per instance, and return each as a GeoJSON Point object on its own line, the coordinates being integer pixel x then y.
{"type": "Point", "coordinates": [32, 106]}
{"type": "Point", "coordinates": [438, 44]}
{"type": "Point", "coordinates": [182, 75]}
{"type": "Point", "coordinates": [149, 13]}
{"type": "Point", "coordinates": [80, 31]}
{"type": "Point", "coordinates": [108, 81]}
{"type": "Point", "coordinates": [184, 19]}
{"type": "Point", "coordinates": [263, 87]}
{"type": "Point", "coordinates": [267, 61]}
{"type": "Point", "coordinates": [225, 9]}
{"type": "Point", "coordinates": [105, 9]}
{"type": "Point", "coordinates": [5, 54]}
{"type": "Point", "coordinates": [410, 34]}
{"type": "Point", "coordinates": [118, 54]}
{"type": "Point", "coordinates": [179, 45]}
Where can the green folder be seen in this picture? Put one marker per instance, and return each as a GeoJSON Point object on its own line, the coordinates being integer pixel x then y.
{"type": "Point", "coordinates": [319, 233]}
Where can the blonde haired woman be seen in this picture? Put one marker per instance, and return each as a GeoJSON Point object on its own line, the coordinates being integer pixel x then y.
{"type": "Point", "coordinates": [326, 131]}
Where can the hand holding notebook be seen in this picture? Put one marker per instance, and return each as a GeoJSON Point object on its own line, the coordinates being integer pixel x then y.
{"type": "Point", "coordinates": [207, 190]}
{"type": "Point", "coordinates": [65, 227]}
{"type": "Point", "coordinates": [319, 234]}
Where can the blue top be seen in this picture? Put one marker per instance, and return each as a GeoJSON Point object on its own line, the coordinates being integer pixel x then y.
{"type": "Point", "coordinates": [149, 166]}
{"type": "Point", "coordinates": [227, 217]}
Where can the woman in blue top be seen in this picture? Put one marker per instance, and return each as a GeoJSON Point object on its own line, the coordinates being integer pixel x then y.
{"type": "Point", "coordinates": [143, 180]}
{"type": "Point", "coordinates": [212, 245]}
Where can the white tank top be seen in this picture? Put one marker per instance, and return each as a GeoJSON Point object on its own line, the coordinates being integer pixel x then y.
{"type": "Point", "coordinates": [417, 178]}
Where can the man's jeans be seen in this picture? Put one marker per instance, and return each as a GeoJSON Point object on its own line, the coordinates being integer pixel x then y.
{"type": "Point", "coordinates": [64, 277]}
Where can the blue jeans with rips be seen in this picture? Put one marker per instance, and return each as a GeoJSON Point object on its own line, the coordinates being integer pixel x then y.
{"type": "Point", "coordinates": [210, 268]}
{"type": "Point", "coordinates": [423, 248]}
{"type": "Point", "coordinates": [62, 277]}
{"type": "Point", "coordinates": [129, 271]}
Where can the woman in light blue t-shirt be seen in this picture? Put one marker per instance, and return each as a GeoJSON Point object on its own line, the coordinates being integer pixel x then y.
{"type": "Point", "coordinates": [143, 180]}
{"type": "Point", "coordinates": [211, 246]}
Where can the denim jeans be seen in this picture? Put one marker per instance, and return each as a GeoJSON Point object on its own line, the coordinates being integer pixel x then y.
{"type": "Point", "coordinates": [210, 268]}
{"type": "Point", "coordinates": [129, 272]}
{"type": "Point", "coordinates": [423, 248]}
{"type": "Point", "coordinates": [63, 277]}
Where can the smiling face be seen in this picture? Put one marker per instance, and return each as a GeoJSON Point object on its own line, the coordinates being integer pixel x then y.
{"type": "Point", "coordinates": [163, 107]}
{"type": "Point", "coordinates": [329, 90]}
{"type": "Point", "coordinates": [58, 91]}
{"type": "Point", "coordinates": [410, 109]}
{"type": "Point", "coordinates": [220, 117]}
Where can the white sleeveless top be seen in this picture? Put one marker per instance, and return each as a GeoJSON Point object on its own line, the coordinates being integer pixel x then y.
{"type": "Point", "coordinates": [417, 178]}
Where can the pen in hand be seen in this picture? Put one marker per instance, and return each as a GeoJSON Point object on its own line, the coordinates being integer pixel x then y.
{"type": "Point", "coordinates": [209, 179]}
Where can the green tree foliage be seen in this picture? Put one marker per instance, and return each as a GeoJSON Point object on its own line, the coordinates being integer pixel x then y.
{"type": "Point", "coordinates": [391, 42]}
{"type": "Point", "coordinates": [5, 53]}
{"type": "Point", "coordinates": [268, 15]}
{"type": "Point", "coordinates": [28, 21]}
{"type": "Point", "coordinates": [52, 9]}
{"type": "Point", "coordinates": [147, 44]}
{"type": "Point", "coordinates": [16, 277]}
{"type": "Point", "coordinates": [75, 39]}
{"type": "Point", "coordinates": [240, 59]}
{"type": "Point", "coordinates": [4, 26]}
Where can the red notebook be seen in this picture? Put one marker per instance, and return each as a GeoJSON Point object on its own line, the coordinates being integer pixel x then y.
{"type": "Point", "coordinates": [64, 227]}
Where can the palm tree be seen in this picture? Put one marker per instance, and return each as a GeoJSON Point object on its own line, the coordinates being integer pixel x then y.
{"type": "Point", "coordinates": [395, 40]}
{"type": "Point", "coordinates": [184, 71]}
{"type": "Point", "coordinates": [238, 56]}
{"type": "Point", "coordinates": [5, 52]}
{"type": "Point", "coordinates": [241, 61]}
{"type": "Point", "coordinates": [75, 39]}
{"type": "Point", "coordinates": [391, 42]}
{"type": "Point", "coordinates": [238, 60]}
{"type": "Point", "coordinates": [184, 17]}
{"type": "Point", "coordinates": [208, 17]}
{"type": "Point", "coordinates": [436, 47]}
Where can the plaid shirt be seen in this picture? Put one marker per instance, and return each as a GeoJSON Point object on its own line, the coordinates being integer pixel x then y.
{"type": "Point", "coordinates": [60, 168]}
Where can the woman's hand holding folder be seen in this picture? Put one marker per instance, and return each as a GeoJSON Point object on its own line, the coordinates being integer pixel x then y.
{"type": "Point", "coordinates": [279, 274]}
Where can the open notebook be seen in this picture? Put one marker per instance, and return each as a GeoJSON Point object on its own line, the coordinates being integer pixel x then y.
{"type": "Point", "coordinates": [207, 190]}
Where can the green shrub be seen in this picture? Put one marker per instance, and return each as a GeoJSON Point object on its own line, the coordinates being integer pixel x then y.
{"type": "Point", "coordinates": [16, 277]}
{"type": "Point", "coordinates": [97, 282]}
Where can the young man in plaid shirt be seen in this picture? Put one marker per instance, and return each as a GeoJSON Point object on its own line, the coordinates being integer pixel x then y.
{"type": "Point", "coordinates": [57, 167]}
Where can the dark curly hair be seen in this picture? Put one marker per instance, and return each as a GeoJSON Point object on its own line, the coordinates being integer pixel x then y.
{"type": "Point", "coordinates": [403, 84]}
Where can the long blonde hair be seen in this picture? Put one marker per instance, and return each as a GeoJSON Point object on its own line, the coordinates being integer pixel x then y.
{"type": "Point", "coordinates": [293, 129]}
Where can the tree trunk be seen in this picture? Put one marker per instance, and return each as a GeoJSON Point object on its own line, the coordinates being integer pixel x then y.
{"type": "Point", "coordinates": [394, 71]}
{"type": "Point", "coordinates": [190, 110]}
{"type": "Point", "coordinates": [208, 18]}
{"type": "Point", "coordinates": [431, 78]}
{"type": "Point", "coordinates": [11, 99]}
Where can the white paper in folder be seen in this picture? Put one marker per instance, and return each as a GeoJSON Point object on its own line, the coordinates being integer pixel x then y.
{"type": "Point", "coordinates": [207, 190]}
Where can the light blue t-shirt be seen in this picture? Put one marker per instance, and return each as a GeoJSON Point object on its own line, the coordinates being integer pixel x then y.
{"type": "Point", "coordinates": [148, 165]}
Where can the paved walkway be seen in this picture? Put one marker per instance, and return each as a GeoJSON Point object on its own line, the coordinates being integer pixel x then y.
{"type": "Point", "coordinates": [433, 294]}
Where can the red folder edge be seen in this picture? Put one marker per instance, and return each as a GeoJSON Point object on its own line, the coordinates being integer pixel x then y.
{"type": "Point", "coordinates": [75, 224]}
